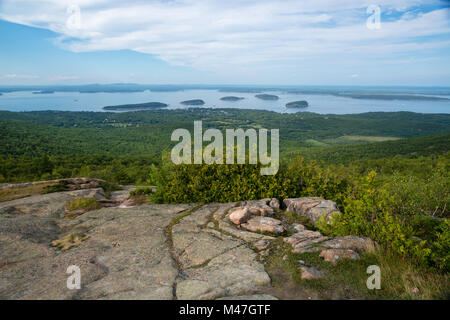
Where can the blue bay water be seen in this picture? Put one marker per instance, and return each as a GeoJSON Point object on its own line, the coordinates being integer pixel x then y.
{"type": "Point", "coordinates": [318, 103]}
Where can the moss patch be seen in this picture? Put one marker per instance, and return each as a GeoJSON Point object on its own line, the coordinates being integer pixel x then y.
{"type": "Point", "coordinates": [87, 204]}
{"type": "Point", "coordinates": [71, 240]}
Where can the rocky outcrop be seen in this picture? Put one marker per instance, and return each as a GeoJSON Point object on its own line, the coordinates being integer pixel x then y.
{"type": "Point", "coordinates": [151, 251]}
{"type": "Point", "coordinates": [313, 208]}
{"type": "Point", "coordinates": [213, 264]}
{"type": "Point", "coordinates": [71, 183]}
{"type": "Point", "coordinates": [48, 205]}
{"type": "Point", "coordinates": [141, 267]}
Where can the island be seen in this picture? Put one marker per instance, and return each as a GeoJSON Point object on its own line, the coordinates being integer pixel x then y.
{"type": "Point", "coordinates": [195, 102]}
{"type": "Point", "coordinates": [297, 104]}
{"type": "Point", "coordinates": [44, 92]}
{"type": "Point", "coordinates": [137, 106]}
{"type": "Point", "coordinates": [231, 98]}
{"type": "Point", "coordinates": [269, 97]}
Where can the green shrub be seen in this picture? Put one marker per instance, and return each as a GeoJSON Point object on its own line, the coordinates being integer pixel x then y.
{"type": "Point", "coordinates": [226, 183]}
{"type": "Point", "coordinates": [419, 196]}
{"type": "Point", "coordinates": [214, 183]}
{"type": "Point", "coordinates": [143, 191]}
{"type": "Point", "coordinates": [369, 210]}
{"type": "Point", "coordinates": [440, 247]}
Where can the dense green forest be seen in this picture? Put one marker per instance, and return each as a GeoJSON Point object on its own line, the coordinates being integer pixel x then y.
{"type": "Point", "coordinates": [119, 146]}
{"type": "Point", "coordinates": [56, 133]}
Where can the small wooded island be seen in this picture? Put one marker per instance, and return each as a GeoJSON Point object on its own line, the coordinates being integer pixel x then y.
{"type": "Point", "coordinates": [195, 102]}
{"type": "Point", "coordinates": [297, 104]}
{"type": "Point", "coordinates": [264, 96]}
{"type": "Point", "coordinates": [137, 106]}
{"type": "Point", "coordinates": [231, 98]}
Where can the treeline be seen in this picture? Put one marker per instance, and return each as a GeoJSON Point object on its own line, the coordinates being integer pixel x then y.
{"type": "Point", "coordinates": [120, 170]}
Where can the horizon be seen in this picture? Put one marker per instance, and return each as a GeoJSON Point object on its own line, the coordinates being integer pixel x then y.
{"type": "Point", "coordinates": [217, 85]}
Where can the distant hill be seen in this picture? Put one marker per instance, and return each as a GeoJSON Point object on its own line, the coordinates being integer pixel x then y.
{"type": "Point", "coordinates": [137, 106]}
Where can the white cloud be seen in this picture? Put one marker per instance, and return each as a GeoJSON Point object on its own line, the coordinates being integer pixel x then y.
{"type": "Point", "coordinates": [63, 78]}
{"type": "Point", "coordinates": [217, 35]}
{"type": "Point", "coordinates": [18, 76]}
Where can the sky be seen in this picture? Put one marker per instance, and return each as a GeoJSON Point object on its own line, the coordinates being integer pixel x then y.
{"type": "Point", "coordinates": [259, 42]}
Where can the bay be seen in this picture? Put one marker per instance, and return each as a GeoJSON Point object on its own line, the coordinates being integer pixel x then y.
{"type": "Point", "coordinates": [318, 103]}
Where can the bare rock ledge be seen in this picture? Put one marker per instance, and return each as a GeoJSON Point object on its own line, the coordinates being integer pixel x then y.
{"type": "Point", "coordinates": [153, 251]}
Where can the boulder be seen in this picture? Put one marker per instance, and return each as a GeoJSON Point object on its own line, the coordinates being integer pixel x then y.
{"type": "Point", "coordinates": [309, 273]}
{"type": "Point", "coordinates": [274, 203]}
{"type": "Point", "coordinates": [313, 208]}
{"type": "Point", "coordinates": [358, 244]}
{"type": "Point", "coordinates": [297, 227]}
{"type": "Point", "coordinates": [266, 206]}
{"type": "Point", "coordinates": [333, 255]}
{"type": "Point", "coordinates": [240, 215]}
{"type": "Point", "coordinates": [305, 241]}
{"type": "Point", "coordinates": [261, 244]}
{"type": "Point", "coordinates": [264, 224]}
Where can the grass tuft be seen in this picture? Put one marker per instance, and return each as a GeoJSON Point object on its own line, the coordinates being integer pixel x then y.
{"type": "Point", "coordinates": [79, 206]}
{"type": "Point", "coordinates": [71, 240]}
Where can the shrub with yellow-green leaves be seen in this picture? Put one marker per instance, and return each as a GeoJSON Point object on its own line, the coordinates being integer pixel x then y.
{"type": "Point", "coordinates": [372, 210]}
